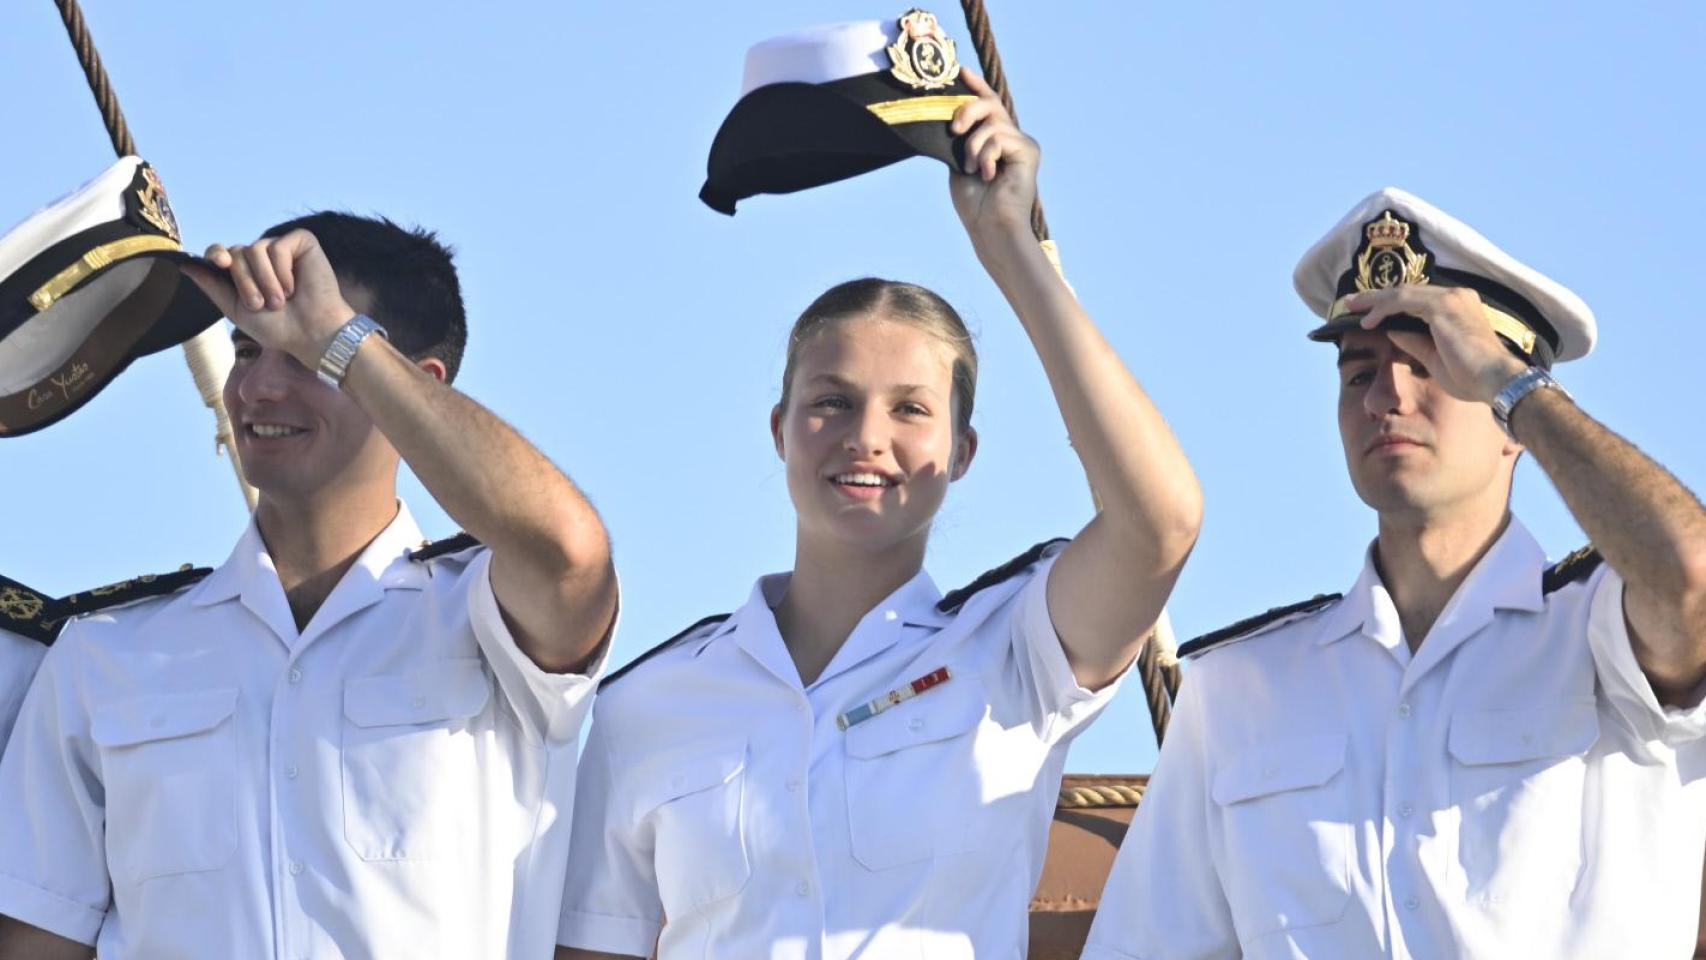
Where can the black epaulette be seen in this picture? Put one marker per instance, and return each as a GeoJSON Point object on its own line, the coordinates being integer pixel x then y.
{"type": "Point", "coordinates": [123, 592]}
{"type": "Point", "coordinates": [434, 549]}
{"type": "Point", "coordinates": [1577, 566]}
{"type": "Point", "coordinates": [25, 612]}
{"type": "Point", "coordinates": [956, 599]}
{"type": "Point", "coordinates": [1252, 624]}
{"type": "Point", "coordinates": [672, 641]}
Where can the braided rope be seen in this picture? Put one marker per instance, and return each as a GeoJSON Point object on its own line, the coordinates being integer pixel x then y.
{"type": "Point", "coordinates": [989, 61]}
{"type": "Point", "coordinates": [1101, 795]}
{"type": "Point", "coordinates": [99, 83]}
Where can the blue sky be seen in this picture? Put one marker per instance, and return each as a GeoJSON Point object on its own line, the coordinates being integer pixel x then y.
{"type": "Point", "coordinates": [1191, 153]}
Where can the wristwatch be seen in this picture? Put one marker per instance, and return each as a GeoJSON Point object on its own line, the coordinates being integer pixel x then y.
{"type": "Point", "coordinates": [1521, 386]}
{"type": "Point", "coordinates": [335, 363]}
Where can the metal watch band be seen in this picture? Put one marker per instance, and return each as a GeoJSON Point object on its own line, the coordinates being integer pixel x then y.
{"type": "Point", "coordinates": [1519, 387]}
{"type": "Point", "coordinates": [335, 363]}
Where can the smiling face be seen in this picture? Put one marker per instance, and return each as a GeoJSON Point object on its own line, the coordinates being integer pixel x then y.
{"type": "Point", "coordinates": [1412, 449]}
{"type": "Point", "coordinates": [297, 436]}
{"type": "Point", "coordinates": [867, 431]}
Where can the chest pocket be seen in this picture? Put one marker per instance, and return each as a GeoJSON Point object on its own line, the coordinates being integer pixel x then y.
{"type": "Point", "coordinates": [1284, 810]}
{"type": "Point", "coordinates": [913, 790]}
{"type": "Point", "coordinates": [1517, 781]}
{"type": "Point", "coordinates": [408, 760]}
{"type": "Point", "coordinates": [168, 762]}
{"type": "Point", "coordinates": [693, 805]}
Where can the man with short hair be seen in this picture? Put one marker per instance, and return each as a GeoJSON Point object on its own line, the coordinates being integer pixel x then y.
{"type": "Point", "coordinates": [335, 744]}
{"type": "Point", "coordinates": [1469, 754]}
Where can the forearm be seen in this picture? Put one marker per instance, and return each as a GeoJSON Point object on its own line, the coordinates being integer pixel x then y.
{"type": "Point", "coordinates": [20, 941]}
{"type": "Point", "coordinates": [1145, 485]}
{"type": "Point", "coordinates": [1649, 527]}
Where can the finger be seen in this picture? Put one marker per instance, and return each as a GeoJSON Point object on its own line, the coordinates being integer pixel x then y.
{"type": "Point", "coordinates": [219, 256]}
{"type": "Point", "coordinates": [970, 114]}
{"type": "Point", "coordinates": [974, 144]}
{"type": "Point", "coordinates": [247, 292]}
{"type": "Point", "coordinates": [215, 284]}
{"type": "Point", "coordinates": [989, 159]}
{"type": "Point", "coordinates": [976, 84]}
{"type": "Point", "coordinates": [266, 279]}
{"type": "Point", "coordinates": [284, 267]}
{"type": "Point", "coordinates": [1419, 346]}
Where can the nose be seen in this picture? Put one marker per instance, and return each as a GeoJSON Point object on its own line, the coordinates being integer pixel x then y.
{"type": "Point", "coordinates": [1392, 392]}
{"type": "Point", "coordinates": [868, 436]}
{"type": "Point", "coordinates": [265, 378]}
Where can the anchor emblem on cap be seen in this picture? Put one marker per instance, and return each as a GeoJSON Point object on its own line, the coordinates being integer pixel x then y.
{"type": "Point", "coordinates": [923, 56]}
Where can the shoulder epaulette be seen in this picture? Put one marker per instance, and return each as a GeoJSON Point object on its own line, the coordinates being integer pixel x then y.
{"type": "Point", "coordinates": [955, 599]}
{"type": "Point", "coordinates": [434, 549]}
{"type": "Point", "coordinates": [25, 612]}
{"type": "Point", "coordinates": [698, 625]}
{"type": "Point", "coordinates": [1252, 624]}
{"type": "Point", "coordinates": [1577, 566]}
{"type": "Point", "coordinates": [123, 592]}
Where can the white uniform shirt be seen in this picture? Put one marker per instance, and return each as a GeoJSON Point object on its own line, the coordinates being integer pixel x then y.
{"type": "Point", "coordinates": [393, 782]}
{"type": "Point", "coordinates": [19, 657]}
{"type": "Point", "coordinates": [718, 792]}
{"type": "Point", "coordinates": [1514, 789]}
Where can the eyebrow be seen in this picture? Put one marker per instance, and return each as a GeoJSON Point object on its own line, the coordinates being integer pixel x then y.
{"type": "Point", "coordinates": [1354, 355]}
{"type": "Point", "coordinates": [832, 380]}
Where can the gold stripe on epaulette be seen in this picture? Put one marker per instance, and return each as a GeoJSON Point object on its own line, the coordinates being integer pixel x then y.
{"type": "Point", "coordinates": [918, 109]}
{"type": "Point", "coordinates": [93, 262]}
{"type": "Point", "coordinates": [1503, 323]}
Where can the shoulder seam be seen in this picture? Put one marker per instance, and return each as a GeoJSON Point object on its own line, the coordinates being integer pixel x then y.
{"type": "Point", "coordinates": [1577, 566]}
{"type": "Point", "coordinates": [434, 549]}
{"type": "Point", "coordinates": [25, 611]}
{"type": "Point", "coordinates": [1251, 625]}
{"type": "Point", "coordinates": [699, 624]}
{"type": "Point", "coordinates": [119, 594]}
{"type": "Point", "coordinates": [955, 599]}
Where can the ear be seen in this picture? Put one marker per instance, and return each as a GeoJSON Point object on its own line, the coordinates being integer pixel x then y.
{"type": "Point", "coordinates": [434, 367]}
{"type": "Point", "coordinates": [776, 431]}
{"type": "Point", "coordinates": [965, 448]}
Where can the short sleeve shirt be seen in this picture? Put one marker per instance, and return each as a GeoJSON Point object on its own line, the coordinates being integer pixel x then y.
{"type": "Point", "coordinates": [19, 657]}
{"type": "Point", "coordinates": [718, 792]}
{"type": "Point", "coordinates": [203, 780]}
{"type": "Point", "coordinates": [1514, 788]}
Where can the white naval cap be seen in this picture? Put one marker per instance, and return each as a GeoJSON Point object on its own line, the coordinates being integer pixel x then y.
{"type": "Point", "coordinates": [1393, 238]}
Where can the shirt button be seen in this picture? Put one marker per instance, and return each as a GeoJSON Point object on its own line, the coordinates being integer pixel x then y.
{"type": "Point", "coordinates": [915, 724]}
{"type": "Point", "coordinates": [804, 889]}
{"type": "Point", "coordinates": [890, 615]}
{"type": "Point", "coordinates": [290, 772]}
{"type": "Point", "coordinates": [798, 706]}
{"type": "Point", "coordinates": [1403, 709]}
{"type": "Point", "coordinates": [295, 867]}
{"type": "Point", "coordinates": [418, 702]}
{"type": "Point", "coordinates": [156, 722]}
{"type": "Point", "coordinates": [794, 785]}
{"type": "Point", "coordinates": [1404, 811]}
{"type": "Point", "coordinates": [1412, 903]}
{"type": "Point", "coordinates": [295, 675]}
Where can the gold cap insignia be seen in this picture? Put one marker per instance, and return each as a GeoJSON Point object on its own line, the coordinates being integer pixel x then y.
{"type": "Point", "coordinates": [922, 55]}
{"type": "Point", "coordinates": [155, 208]}
{"type": "Point", "coordinates": [1386, 258]}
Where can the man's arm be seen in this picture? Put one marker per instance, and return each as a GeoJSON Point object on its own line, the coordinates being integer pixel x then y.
{"type": "Point", "coordinates": [1648, 526]}
{"type": "Point", "coordinates": [551, 568]}
{"type": "Point", "coordinates": [20, 941]}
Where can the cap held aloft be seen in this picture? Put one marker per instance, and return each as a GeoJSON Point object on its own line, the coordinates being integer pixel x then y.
{"type": "Point", "coordinates": [832, 102]}
{"type": "Point", "coordinates": [87, 285]}
{"type": "Point", "coordinates": [1394, 239]}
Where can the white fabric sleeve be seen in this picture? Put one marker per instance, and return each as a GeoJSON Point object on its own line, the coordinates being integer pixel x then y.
{"type": "Point", "coordinates": [1163, 899]}
{"type": "Point", "coordinates": [53, 864]}
{"type": "Point", "coordinates": [610, 899]}
{"type": "Point", "coordinates": [1621, 676]}
{"type": "Point", "coordinates": [550, 706]}
{"type": "Point", "coordinates": [19, 658]}
{"type": "Point", "coordinates": [1063, 707]}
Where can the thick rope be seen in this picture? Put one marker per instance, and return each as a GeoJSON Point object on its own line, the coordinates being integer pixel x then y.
{"type": "Point", "coordinates": [99, 84]}
{"type": "Point", "coordinates": [1156, 663]}
{"type": "Point", "coordinates": [208, 354]}
{"type": "Point", "coordinates": [1101, 795]}
{"type": "Point", "coordinates": [989, 61]}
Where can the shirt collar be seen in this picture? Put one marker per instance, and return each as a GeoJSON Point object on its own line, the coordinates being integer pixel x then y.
{"type": "Point", "coordinates": [1507, 577]}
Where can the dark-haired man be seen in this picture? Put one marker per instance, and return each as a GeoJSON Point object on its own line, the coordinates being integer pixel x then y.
{"type": "Point", "coordinates": [1469, 754]}
{"type": "Point", "coordinates": [330, 746]}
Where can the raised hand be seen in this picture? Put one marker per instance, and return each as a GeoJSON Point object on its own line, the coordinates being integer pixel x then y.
{"type": "Point", "coordinates": [998, 185]}
{"type": "Point", "coordinates": [280, 290]}
{"type": "Point", "coordinates": [1460, 350]}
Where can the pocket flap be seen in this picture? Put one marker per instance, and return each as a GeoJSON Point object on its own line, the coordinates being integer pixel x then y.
{"type": "Point", "coordinates": [1566, 729]}
{"type": "Point", "coordinates": [936, 714]}
{"type": "Point", "coordinates": [446, 690]}
{"type": "Point", "coordinates": [709, 765]}
{"type": "Point", "coordinates": [162, 716]}
{"type": "Point", "coordinates": [1289, 763]}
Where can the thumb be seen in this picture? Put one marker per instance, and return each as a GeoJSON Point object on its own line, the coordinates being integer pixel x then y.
{"type": "Point", "coordinates": [214, 283]}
